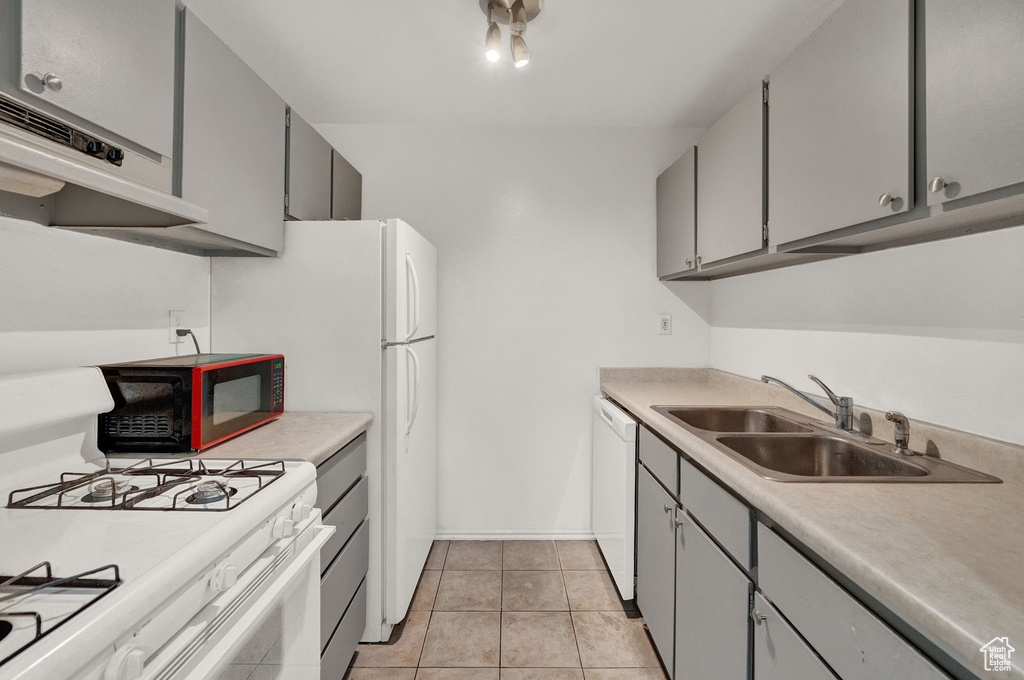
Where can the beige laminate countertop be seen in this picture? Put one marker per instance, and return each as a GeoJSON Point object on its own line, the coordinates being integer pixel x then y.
{"type": "Point", "coordinates": [312, 437]}
{"type": "Point", "coordinates": [947, 559]}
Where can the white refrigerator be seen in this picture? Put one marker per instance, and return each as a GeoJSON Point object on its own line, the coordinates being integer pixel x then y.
{"type": "Point", "coordinates": [352, 306]}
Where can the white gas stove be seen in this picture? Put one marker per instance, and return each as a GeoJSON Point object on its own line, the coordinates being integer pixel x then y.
{"type": "Point", "coordinates": [151, 568]}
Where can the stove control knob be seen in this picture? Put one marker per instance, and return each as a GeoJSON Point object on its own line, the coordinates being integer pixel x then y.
{"type": "Point", "coordinates": [284, 527]}
{"type": "Point", "coordinates": [301, 512]}
{"type": "Point", "coordinates": [126, 664]}
{"type": "Point", "coordinates": [224, 576]}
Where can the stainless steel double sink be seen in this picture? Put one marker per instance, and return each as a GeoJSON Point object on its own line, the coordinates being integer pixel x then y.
{"type": "Point", "coordinates": [785, 446]}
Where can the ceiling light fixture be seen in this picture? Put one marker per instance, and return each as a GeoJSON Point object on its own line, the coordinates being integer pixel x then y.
{"type": "Point", "coordinates": [515, 14]}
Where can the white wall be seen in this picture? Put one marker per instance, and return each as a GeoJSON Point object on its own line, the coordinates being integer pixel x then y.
{"type": "Point", "coordinates": [935, 330]}
{"type": "Point", "coordinates": [546, 255]}
{"type": "Point", "coordinates": [70, 299]}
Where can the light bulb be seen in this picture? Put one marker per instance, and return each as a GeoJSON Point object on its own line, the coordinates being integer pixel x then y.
{"type": "Point", "coordinates": [493, 44]}
{"type": "Point", "coordinates": [520, 53]}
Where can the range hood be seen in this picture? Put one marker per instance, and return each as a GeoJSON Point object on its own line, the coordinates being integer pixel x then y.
{"type": "Point", "coordinates": [78, 196]}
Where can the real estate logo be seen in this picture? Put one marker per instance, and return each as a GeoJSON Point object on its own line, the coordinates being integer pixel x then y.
{"type": "Point", "coordinates": [997, 654]}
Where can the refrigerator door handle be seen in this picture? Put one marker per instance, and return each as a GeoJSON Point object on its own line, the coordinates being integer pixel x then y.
{"type": "Point", "coordinates": [410, 269]}
{"type": "Point", "coordinates": [415, 391]}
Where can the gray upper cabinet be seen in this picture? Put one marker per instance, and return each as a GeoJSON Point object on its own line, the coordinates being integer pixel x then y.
{"type": "Point", "coordinates": [712, 609]}
{"type": "Point", "coordinates": [346, 190]}
{"type": "Point", "coordinates": [975, 104]}
{"type": "Point", "coordinates": [840, 142]}
{"type": "Point", "coordinates": [779, 652]}
{"type": "Point", "coordinates": [233, 142]}
{"type": "Point", "coordinates": [308, 188]}
{"type": "Point", "coordinates": [677, 215]}
{"type": "Point", "coordinates": [730, 191]}
{"type": "Point", "coordinates": [656, 561]}
{"type": "Point", "coordinates": [108, 62]}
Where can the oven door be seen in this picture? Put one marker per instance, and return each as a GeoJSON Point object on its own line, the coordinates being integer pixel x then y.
{"type": "Point", "coordinates": [232, 398]}
{"type": "Point", "coordinates": [268, 622]}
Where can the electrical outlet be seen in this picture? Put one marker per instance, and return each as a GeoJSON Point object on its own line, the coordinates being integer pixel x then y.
{"type": "Point", "coordinates": [664, 324]}
{"type": "Point", "coordinates": [175, 320]}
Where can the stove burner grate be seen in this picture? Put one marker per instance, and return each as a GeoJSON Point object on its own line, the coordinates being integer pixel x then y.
{"type": "Point", "coordinates": [107, 493]}
{"type": "Point", "coordinates": [24, 584]}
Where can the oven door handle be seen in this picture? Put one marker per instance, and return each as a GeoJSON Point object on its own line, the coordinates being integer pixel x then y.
{"type": "Point", "coordinates": [227, 646]}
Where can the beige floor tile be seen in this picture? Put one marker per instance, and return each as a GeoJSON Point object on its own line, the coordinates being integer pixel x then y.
{"type": "Point", "coordinates": [468, 591]}
{"type": "Point", "coordinates": [529, 555]}
{"type": "Point", "coordinates": [593, 591]}
{"type": "Point", "coordinates": [541, 674]}
{"type": "Point", "coordinates": [435, 558]}
{"type": "Point", "coordinates": [426, 591]}
{"type": "Point", "coordinates": [625, 674]}
{"type": "Point", "coordinates": [613, 640]}
{"type": "Point", "coordinates": [533, 591]}
{"type": "Point", "coordinates": [462, 639]}
{"type": "Point", "coordinates": [382, 674]}
{"type": "Point", "coordinates": [473, 555]}
{"type": "Point", "coordinates": [579, 555]}
{"type": "Point", "coordinates": [538, 640]}
{"type": "Point", "coordinates": [457, 674]}
{"type": "Point", "coordinates": [402, 650]}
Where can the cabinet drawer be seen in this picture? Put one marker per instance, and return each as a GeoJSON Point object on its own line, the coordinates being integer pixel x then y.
{"type": "Point", "coordinates": [660, 458]}
{"type": "Point", "coordinates": [724, 516]}
{"type": "Point", "coordinates": [341, 581]}
{"type": "Point", "coordinates": [339, 472]}
{"type": "Point", "coordinates": [335, 659]}
{"type": "Point", "coordinates": [781, 654]}
{"type": "Point", "coordinates": [855, 643]}
{"type": "Point", "coordinates": [345, 516]}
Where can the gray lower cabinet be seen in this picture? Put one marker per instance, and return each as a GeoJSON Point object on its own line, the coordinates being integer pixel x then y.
{"type": "Point", "coordinates": [677, 215]}
{"type": "Point", "coordinates": [656, 561]}
{"type": "Point", "coordinates": [730, 190]}
{"type": "Point", "coordinates": [975, 105]}
{"type": "Point", "coordinates": [108, 62]}
{"type": "Point", "coordinates": [712, 609]}
{"type": "Point", "coordinates": [346, 190]}
{"type": "Point", "coordinates": [344, 559]}
{"type": "Point", "coordinates": [779, 652]}
{"type": "Point", "coordinates": [308, 172]}
{"type": "Point", "coordinates": [232, 141]}
{"type": "Point", "coordinates": [840, 113]}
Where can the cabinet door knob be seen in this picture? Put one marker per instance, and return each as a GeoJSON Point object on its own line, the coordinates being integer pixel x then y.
{"type": "Point", "coordinates": [698, 260]}
{"type": "Point", "coordinates": [669, 508]}
{"type": "Point", "coordinates": [52, 82]}
{"type": "Point", "coordinates": [886, 199]}
{"type": "Point", "coordinates": [757, 617]}
{"type": "Point", "coordinates": [689, 264]}
{"type": "Point", "coordinates": [936, 185]}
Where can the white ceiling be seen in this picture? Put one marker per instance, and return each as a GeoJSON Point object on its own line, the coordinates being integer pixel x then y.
{"type": "Point", "coordinates": [646, 63]}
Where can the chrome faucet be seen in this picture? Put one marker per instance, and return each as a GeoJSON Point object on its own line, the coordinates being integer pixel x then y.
{"type": "Point", "coordinates": [902, 434]}
{"type": "Point", "coordinates": [844, 405]}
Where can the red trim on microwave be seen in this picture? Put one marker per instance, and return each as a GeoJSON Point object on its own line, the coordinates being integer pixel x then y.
{"type": "Point", "coordinates": [197, 399]}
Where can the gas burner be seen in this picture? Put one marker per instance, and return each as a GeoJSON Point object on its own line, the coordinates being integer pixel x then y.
{"type": "Point", "coordinates": [210, 492]}
{"type": "Point", "coordinates": [106, 488]}
{"type": "Point", "coordinates": [164, 485]}
{"type": "Point", "coordinates": [5, 629]}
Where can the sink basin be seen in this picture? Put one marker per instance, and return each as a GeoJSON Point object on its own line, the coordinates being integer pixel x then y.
{"type": "Point", "coordinates": [820, 457]}
{"type": "Point", "coordinates": [730, 419]}
{"type": "Point", "coordinates": [785, 446]}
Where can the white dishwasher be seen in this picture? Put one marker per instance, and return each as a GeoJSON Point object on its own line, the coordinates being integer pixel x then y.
{"type": "Point", "coordinates": [613, 510]}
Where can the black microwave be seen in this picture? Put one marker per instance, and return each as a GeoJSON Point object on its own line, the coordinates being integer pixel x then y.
{"type": "Point", "coordinates": [189, 403]}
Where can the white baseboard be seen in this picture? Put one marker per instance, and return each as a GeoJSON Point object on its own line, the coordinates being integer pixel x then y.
{"type": "Point", "coordinates": [513, 535]}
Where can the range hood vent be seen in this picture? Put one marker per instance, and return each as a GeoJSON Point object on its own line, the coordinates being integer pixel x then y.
{"type": "Point", "coordinates": [19, 116]}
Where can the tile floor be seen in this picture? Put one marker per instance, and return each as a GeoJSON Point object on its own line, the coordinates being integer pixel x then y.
{"type": "Point", "coordinates": [514, 610]}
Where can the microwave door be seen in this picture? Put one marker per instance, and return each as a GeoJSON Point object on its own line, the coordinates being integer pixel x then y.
{"type": "Point", "coordinates": [230, 400]}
